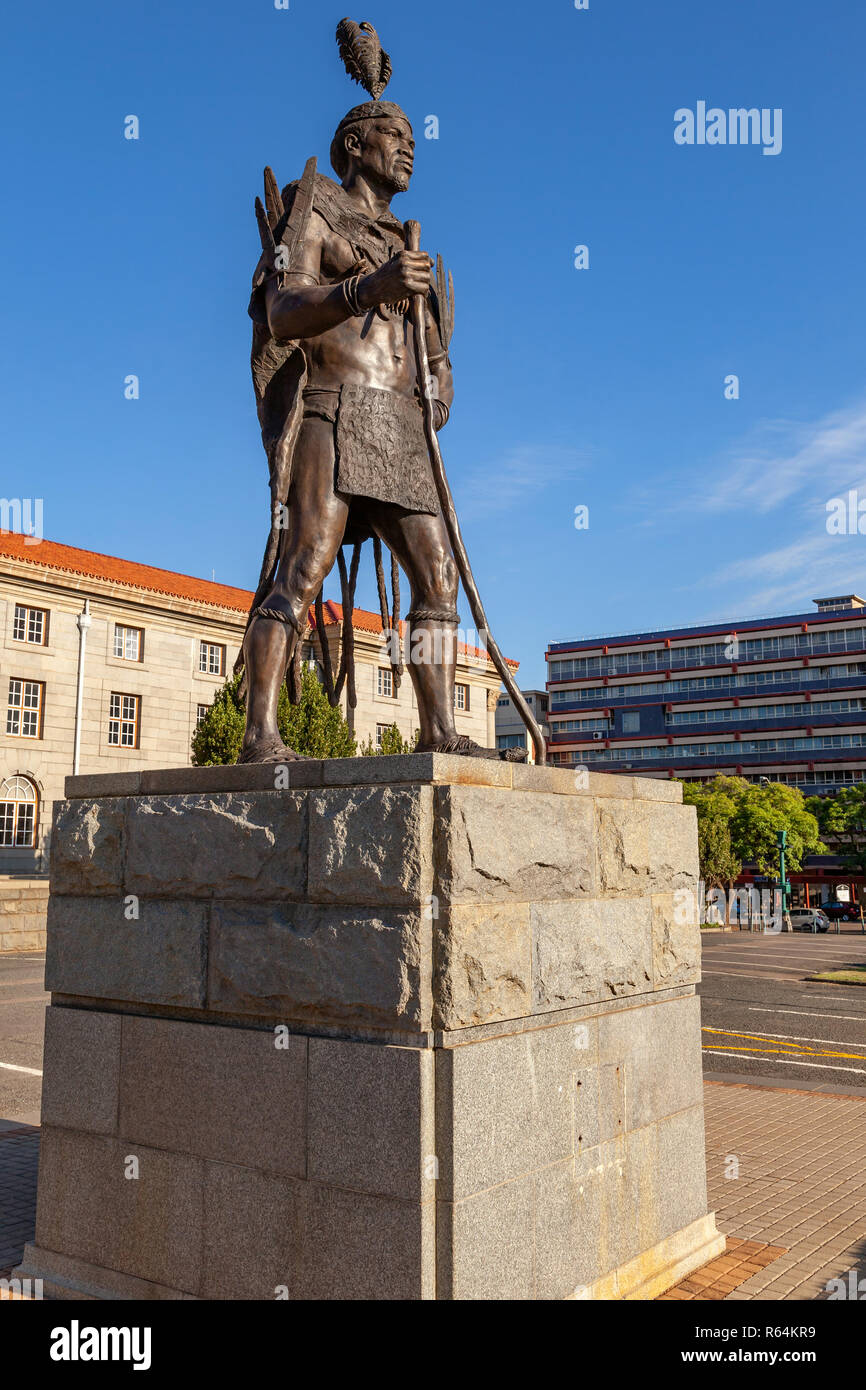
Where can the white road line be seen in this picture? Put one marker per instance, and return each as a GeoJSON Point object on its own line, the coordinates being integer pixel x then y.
{"type": "Point", "coordinates": [750, 975]}
{"type": "Point", "coordinates": [791, 1037]}
{"type": "Point", "coordinates": [806, 1013]}
{"type": "Point", "coordinates": [793, 958]}
{"type": "Point", "coordinates": [791, 955]}
{"type": "Point", "coordinates": [10, 1066]}
{"type": "Point", "coordinates": [786, 1061]}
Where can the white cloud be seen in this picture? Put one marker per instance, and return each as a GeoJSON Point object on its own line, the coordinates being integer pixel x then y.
{"type": "Point", "coordinates": [781, 457]}
{"type": "Point", "coordinates": [785, 580]}
{"type": "Point", "coordinates": [528, 469]}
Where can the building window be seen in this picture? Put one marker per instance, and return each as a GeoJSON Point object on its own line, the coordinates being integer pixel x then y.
{"type": "Point", "coordinates": [510, 740]}
{"type": "Point", "coordinates": [24, 712]}
{"type": "Point", "coordinates": [211, 658]}
{"type": "Point", "coordinates": [385, 682]}
{"type": "Point", "coordinates": [30, 625]}
{"type": "Point", "coordinates": [18, 806]}
{"type": "Point", "coordinates": [128, 643]}
{"type": "Point", "coordinates": [201, 714]}
{"type": "Point", "coordinates": [381, 730]}
{"type": "Point", "coordinates": [461, 697]}
{"type": "Point", "coordinates": [631, 722]}
{"type": "Point", "coordinates": [123, 720]}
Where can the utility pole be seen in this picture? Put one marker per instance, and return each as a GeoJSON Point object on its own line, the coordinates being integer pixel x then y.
{"type": "Point", "coordinates": [784, 885]}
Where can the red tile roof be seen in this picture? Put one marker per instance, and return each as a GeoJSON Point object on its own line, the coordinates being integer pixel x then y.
{"type": "Point", "coordinates": [90, 564]}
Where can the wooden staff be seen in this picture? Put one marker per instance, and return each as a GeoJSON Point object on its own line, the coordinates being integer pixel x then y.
{"type": "Point", "coordinates": [449, 513]}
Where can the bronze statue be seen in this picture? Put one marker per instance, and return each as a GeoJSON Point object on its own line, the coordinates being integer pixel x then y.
{"type": "Point", "coordinates": [353, 381]}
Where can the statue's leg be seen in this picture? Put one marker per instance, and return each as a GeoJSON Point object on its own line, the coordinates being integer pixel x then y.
{"type": "Point", "coordinates": [420, 543]}
{"type": "Point", "coordinates": [317, 521]}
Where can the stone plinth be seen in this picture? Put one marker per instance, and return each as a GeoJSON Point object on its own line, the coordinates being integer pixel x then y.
{"type": "Point", "coordinates": [414, 1027]}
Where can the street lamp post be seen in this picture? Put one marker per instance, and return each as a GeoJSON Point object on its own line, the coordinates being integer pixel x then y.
{"type": "Point", "coordinates": [784, 885]}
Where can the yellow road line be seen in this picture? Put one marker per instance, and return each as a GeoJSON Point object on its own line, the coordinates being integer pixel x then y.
{"type": "Point", "coordinates": [760, 1044]}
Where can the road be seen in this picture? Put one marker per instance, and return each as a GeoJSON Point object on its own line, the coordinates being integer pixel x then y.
{"type": "Point", "coordinates": [22, 1013]}
{"type": "Point", "coordinates": [761, 1017]}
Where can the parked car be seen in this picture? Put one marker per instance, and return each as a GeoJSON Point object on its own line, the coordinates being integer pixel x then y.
{"type": "Point", "coordinates": [809, 919]}
{"type": "Point", "coordinates": [841, 912]}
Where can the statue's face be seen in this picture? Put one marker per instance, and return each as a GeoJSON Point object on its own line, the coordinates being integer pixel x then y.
{"type": "Point", "coordinates": [386, 151]}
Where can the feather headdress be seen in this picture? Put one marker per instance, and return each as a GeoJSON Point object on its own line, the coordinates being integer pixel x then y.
{"type": "Point", "coordinates": [366, 61]}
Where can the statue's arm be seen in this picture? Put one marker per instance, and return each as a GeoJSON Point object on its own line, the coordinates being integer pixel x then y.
{"type": "Point", "coordinates": [304, 308]}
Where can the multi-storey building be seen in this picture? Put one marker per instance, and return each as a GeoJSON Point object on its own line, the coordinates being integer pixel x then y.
{"type": "Point", "coordinates": [776, 698]}
{"type": "Point", "coordinates": [108, 665]}
{"type": "Point", "coordinates": [511, 732]}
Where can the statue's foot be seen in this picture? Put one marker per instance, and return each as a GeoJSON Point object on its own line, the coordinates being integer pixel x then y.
{"type": "Point", "coordinates": [269, 750]}
{"type": "Point", "coordinates": [467, 748]}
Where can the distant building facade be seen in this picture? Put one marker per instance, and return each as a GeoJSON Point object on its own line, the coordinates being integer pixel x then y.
{"type": "Point", "coordinates": [511, 731]}
{"type": "Point", "coordinates": [120, 661]}
{"type": "Point", "coordinates": [777, 698]}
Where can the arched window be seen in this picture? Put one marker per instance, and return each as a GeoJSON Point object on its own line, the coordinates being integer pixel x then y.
{"type": "Point", "coordinates": [18, 807]}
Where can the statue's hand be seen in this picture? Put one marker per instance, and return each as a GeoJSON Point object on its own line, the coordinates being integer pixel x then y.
{"type": "Point", "coordinates": [406, 274]}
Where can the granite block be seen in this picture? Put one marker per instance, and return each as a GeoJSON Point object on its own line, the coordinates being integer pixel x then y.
{"type": "Point", "coordinates": [86, 846]}
{"type": "Point", "coordinates": [483, 964]}
{"type": "Point", "coordinates": [228, 1094]}
{"type": "Point", "coordinates": [225, 845]}
{"type": "Point", "coordinates": [660, 1045]}
{"type": "Point", "coordinates": [370, 1115]}
{"type": "Point", "coordinates": [147, 1226]}
{"type": "Point", "coordinates": [371, 845]}
{"type": "Point", "coordinates": [646, 847]}
{"type": "Point", "coordinates": [95, 951]}
{"type": "Point", "coordinates": [81, 1068]}
{"type": "Point", "coordinates": [251, 1235]}
{"type": "Point", "coordinates": [589, 950]}
{"type": "Point", "coordinates": [494, 845]}
{"type": "Point", "coordinates": [676, 940]}
{"type": "Point", "coordinates": [280, 961]}
{"type": "Point", "coordinates": [485, 1244]}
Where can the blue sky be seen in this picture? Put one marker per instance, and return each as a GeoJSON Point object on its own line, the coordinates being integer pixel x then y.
{"type": "Point", "coordinates": [601, 387]}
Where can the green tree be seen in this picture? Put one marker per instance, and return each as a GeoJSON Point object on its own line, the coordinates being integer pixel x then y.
{"type": "Point", "coordinates": [761, 812]}
{"type": "Point", "coordinates": [312, 727]}
{"type": "Point", "coordinates": [716, 804]}
{"type": "Point", "coordinates": [392, 742]}
{"type": "Point", "coordinates": [842, 818]}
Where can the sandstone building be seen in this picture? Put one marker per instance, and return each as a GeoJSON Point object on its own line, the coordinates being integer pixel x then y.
{"type": "Point", "coordinates": [108, 665]}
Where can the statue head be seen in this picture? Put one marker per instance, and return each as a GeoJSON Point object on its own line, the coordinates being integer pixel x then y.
{"type": "Point", "coordinates": [375, 139]}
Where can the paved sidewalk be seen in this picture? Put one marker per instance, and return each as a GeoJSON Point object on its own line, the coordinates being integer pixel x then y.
{"type": "Point", "coordinates": [19, 1158]}
{"type": "Point", "coordinates": [801, 1159]}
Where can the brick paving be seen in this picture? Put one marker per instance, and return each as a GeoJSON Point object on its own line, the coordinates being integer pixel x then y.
{"type": "Point", "coordinates": [801, 1183]}
{"type": "Point", "coordinates": [19, 1157]}
{"type": "Point", "coordinates": [742, 1259]}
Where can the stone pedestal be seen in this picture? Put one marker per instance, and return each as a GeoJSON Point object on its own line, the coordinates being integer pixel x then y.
{"type": "Point", "coordinates": [418, 1027]}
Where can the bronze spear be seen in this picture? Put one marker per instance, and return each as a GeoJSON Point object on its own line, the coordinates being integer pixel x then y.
{"type": "Point", "coordinates": [449, 513]}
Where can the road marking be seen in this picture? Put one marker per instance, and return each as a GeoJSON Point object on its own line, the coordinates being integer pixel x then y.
{"type": "Point", "coordinates": [752, 975]}
{"type": "Point", "coordinates": [789, 1037]}
{"type": "Point", "coordinates": [790, 1047]}
{"type": "Point", "coordinates": [804, 1013]}
{"type": "Point", "coordinates": [10, 1066]}
{"type": "Point", "coordinates": [785, 1061]}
